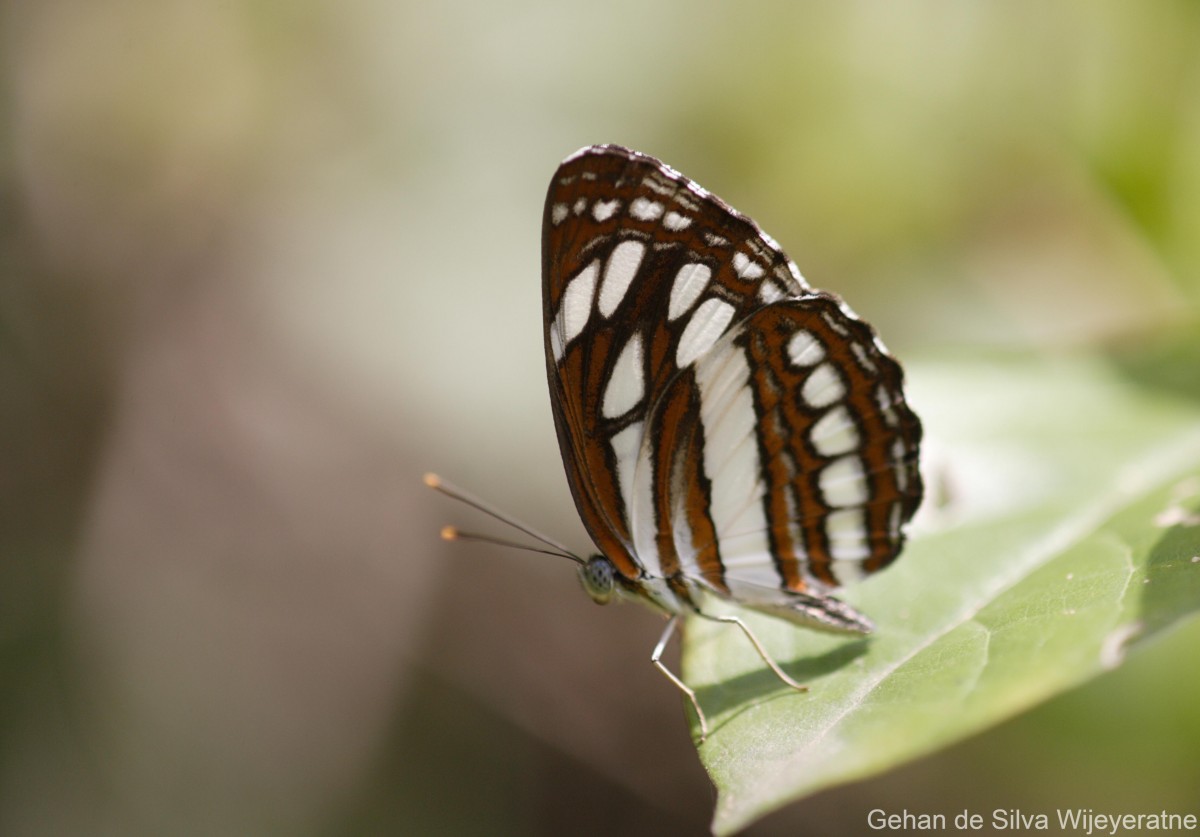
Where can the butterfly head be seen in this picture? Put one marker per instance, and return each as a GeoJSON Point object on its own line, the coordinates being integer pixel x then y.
{"type": "Point", "coordinates": [599, 578]}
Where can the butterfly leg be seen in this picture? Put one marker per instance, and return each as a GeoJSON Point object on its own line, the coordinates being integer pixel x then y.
{"type": "Point", "coordinates": [656, 658]}
{"type": "Point", "coordinates": [758, 646]}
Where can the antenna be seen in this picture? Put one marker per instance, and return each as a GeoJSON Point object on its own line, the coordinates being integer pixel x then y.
{"type": "Point", "coordinates": [451, 533]}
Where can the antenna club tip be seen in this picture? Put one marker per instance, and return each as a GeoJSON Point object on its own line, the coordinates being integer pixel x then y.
{"type": "Point", "coordinates": [432, 480]}
{"type": "Point", "coordinates": [449, 533]}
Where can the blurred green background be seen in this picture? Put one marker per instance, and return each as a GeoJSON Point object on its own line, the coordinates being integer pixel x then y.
{"type": "Point", "coordinates": [264, 263]}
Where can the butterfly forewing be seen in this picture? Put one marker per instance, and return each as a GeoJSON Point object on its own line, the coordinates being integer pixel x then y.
{"type": "Point", "coordinates": [639, 274]}
{"type": "Point", "coordinates": [719, 421]}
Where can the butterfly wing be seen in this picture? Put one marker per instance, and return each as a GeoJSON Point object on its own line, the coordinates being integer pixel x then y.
{"type": "Point", "coordinates": [720, 422]}
{"type": "Point", "coordinates": [643, 271]}
{"type": "Point", "coordinates": [789, 457]}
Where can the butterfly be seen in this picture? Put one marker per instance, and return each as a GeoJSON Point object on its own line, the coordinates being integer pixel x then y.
{"type": "Point", "coordinates": [728, 432]}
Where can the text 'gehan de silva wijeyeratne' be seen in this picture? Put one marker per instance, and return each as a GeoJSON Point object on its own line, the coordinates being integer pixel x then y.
{"type": "Point", "coordinates": [1086, 821]}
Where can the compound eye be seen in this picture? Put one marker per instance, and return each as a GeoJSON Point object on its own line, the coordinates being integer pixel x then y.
{"type": "Point", "coordinates": [598, 577]}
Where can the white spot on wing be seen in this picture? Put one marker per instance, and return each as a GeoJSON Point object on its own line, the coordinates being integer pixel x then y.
{"type": "Point", "coordinates": [688, 201]}
{"type": "Point", "coordinates": [846, 524]}
{"type": "Point", "coordinates": [836, 324]}
{"type": "Point", "coordinates": [675, 222]}
{"type": "Point", "coordinates": [705, 328]}
{"type": "Point", "coordinates": [556, 341]}
{"type": "Point", "coordinates": [894, 520]}
{"type": "Point", "coordinates": [860, 354]}
{"type": "Point", "coordinates": [847, 533]}
{"type": "Point", "coordinates": [690, 282]}
{"type": "Point", "coordinates": [635, 477]}
{"type": "Point", "coordinates": [559, 213]}
{"type": "Point", "coordinates": [681, 533]}
{"type": "Point", "coordinates": [834, 433]}
{"type": "Point", "coordinates": [645, 210]}
{"type": "Point", "coordinates": [658, 186]}
{"type": "Point", "coordinates": [731, 458]}
{"type": "Point", "coordinates": [884, 399]}
{"type": "Point", "coordinates": [626, 384]}
{"type": "Point", "coordinates": [822, 387]}
{"type": "Point", "coordinates": [625, 448]}
{"type": "Point", "coordinates": [804, 349]}
{"type": "Point", "coordinates": [745, 268]}
{"type": "Point", "coordinates": [769, 292]}
{"type": "Point", "coordinates": [898, 453]}
{"type": "Point", "coordinates": [603, 210]}
{"type": "Point", "coordinates": [579, 206]}
{"type": "Point", "coordinates": [843, 482]}
{"type": "Point", "coordinates": [576, 305]}
{"type": "Point", "coordinates": [622, 266]}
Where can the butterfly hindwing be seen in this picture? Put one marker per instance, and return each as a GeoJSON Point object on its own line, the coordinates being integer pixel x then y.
{"type": "Point", "coordinates": [795, 466]}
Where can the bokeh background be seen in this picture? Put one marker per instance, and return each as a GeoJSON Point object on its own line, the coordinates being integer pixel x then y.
{"type": "Point", "coordinates": [264, 263]}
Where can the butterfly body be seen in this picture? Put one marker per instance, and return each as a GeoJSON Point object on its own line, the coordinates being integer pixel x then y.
{"type": "Point", "coordinates": [726, 430]}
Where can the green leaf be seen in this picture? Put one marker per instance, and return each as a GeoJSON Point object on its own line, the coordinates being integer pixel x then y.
{"type": "Point", "coordinates": [1062, 527]}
